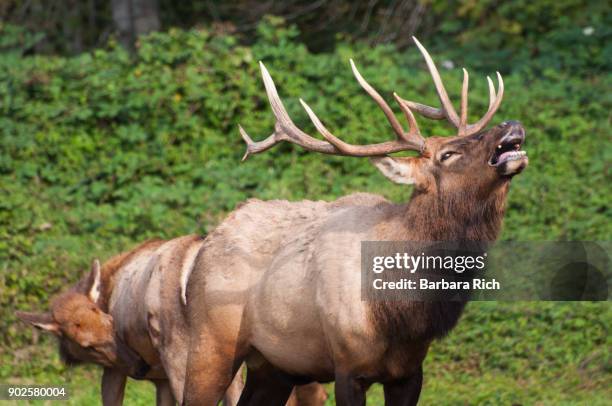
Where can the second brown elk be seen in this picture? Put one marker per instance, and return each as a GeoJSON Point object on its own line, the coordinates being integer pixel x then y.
{"type": "Point", "coordinates": [128, 316]}
{"type": "Point", "coordinates": [278, 283]}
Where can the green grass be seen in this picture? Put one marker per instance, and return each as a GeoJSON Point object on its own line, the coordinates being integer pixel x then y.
{"type": "Point", "coordinates": [500, 354]}
{"type": "Point", "coordinates": [83, 384]}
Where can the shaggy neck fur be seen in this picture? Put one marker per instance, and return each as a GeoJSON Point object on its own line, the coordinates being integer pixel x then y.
{"type": "Point", "coordinates": [438, 217]}
{"type": "Point", "coordinates": [464, 216]}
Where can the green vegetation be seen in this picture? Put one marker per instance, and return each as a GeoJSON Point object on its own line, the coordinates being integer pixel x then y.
{"type": "Point", "coordinates": [100, 151]}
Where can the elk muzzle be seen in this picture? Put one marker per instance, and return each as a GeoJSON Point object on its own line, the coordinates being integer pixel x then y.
{"type": "Point", "coordinates": [508, 158]}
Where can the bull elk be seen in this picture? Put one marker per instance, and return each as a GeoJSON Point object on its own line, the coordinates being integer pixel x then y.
{"type": "Point", "coordinates": [278, 284]}
{"type": "Point", "coordinates": [127, 316]}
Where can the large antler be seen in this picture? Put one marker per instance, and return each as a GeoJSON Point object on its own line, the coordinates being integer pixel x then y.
{"type": "Point", "coordinates": [286, 130]}
{"type": "Point", "coordinates": [447, 111]}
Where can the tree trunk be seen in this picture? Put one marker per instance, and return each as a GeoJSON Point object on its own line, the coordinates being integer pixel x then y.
{"type": "Point", "coordinates": [133, 18]}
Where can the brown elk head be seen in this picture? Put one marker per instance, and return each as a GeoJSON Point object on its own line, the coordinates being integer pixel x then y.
{"type": "Point", "coordinates": [84, 331]}
{"type": "Point", "coordinates": [474, 160]}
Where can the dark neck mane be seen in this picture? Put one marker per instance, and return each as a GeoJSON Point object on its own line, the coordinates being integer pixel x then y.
{"type": "Point", "coordinates": [459, 217]}
{"type": "Point", "coordinates": [428, 217]}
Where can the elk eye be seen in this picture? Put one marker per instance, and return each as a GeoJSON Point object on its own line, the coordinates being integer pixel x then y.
{"type": "Point", "coordinates": [446, 155]}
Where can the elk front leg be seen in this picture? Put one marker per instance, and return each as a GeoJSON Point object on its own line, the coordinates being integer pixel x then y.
{"type": "Point", "coordinates": [405, 392]}
{"type": "Point", "coordinates": [312, 394]}
{"type": "Point", "coordinates": [163, 393]}
{"type": "Point", "coordinates": [113, 387]}
{"type": "Point", "coordinates": [232, 395]}
{"type": "Point", "coordinates": [211, 366]}
{"type": "Point", "coordinates": [349, 390]}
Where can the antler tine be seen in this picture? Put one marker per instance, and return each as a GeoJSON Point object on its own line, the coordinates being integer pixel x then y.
{"type": "Point", "coordinates": [464, 103]}
{"type": "Point", "coordinates": [447, 107]}
{"type": "Point", "coordinates": [494, 103]}
{"type": "Point", "coordinates": [424, 110]}
{"type": "Point", "coordinates": [397, 128]}
{"type": "Point", "coordinates": [428, 111]}
{"type": "Point", "coordinates": [331, 138]}
{"type": "Point", "coordinates": [254, 147]}
{"type": "Point", "coordinates": [414, 127]}
{"type": "Point", "coordinates": [284, 129]}
{"type": "Point", "coordinates": [491, 92]}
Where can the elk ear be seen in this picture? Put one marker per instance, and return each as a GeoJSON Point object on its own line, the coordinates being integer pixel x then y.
{"type": "Point", "coordinates": [398, 170]}
{"type": "Point", "coordinates": [95, 281]}
{"type": "Point", "coordinates": [43, 321]}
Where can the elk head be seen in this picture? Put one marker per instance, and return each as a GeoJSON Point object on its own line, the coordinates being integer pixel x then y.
{"type": "Point", "coordinates": [84, 331]}
{"type": "Point", "coordinates": [474, 160]}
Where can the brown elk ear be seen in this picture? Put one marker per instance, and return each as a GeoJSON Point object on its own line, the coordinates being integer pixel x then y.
{"type": "Point", "coordinates": [398, 170]}
{"type": "Point", "coordinates": [95, 281]}
{"type": "Point", "coordinates": [43, 321]}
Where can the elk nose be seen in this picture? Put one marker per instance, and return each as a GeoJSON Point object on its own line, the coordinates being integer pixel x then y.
{"type": "Point", "coordinates": [514, 132]}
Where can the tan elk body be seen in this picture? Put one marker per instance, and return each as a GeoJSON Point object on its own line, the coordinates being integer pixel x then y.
{"type": "Point", "coordinates": [128, 316]}
{"type": "Point", "coordinates": [125, 305]}
{"type": "Point", "coordinates": [278, 283]}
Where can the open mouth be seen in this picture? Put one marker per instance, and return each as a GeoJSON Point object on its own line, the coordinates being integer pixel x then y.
{"type": "Point", "coordinates": [508, 150]}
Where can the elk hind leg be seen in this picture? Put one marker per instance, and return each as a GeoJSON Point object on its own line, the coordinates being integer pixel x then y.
{"type": "Point", "coordinates": [266, 386]}
{"type": "Point", "coordinates": [310, 394]}
{"type": "Point", "coordinates": [163, 393]}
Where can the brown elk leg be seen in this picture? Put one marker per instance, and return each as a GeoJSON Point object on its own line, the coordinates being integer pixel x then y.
{"type": "Point", "coordinates": [232, 394]}
{"type": "Point", "coordinates": [163, 394]}
{"type": "Point", "coordinates": [265, 386]}
{"type": "Point", "coordinates": [292, 401]}
{"type": "Point", "coordinates": [349, 390]}
{"type": "Point", "coordinates": [312, 394]}
{"type": "Point", "coordinates": [113, 387]}
{"type": "Point", "coordinates": [405, 392]}
{"type": "Point", "coordinates": [211, 367]}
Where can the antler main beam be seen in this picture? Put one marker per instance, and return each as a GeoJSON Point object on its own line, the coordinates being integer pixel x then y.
{"type": "Point", "coordinates": [286, 130]}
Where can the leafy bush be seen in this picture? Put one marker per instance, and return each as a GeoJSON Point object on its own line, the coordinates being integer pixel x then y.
{"type": "Point", "coordinates": [100, 151]}
{"type": "Point", "coordinates": [542, 36]}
